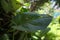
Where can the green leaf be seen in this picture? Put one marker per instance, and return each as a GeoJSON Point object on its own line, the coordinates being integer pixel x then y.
{"type": "Point", "coordinates": [5, 6]}
{"type": "Point", "coordinates": [15, 4]}
{"type": "Point", "coordinates": [4, 37]}
{"type": "Point", "coordinates": [11, 5]}
{"type": "Point", "coordinates": [31, 21]}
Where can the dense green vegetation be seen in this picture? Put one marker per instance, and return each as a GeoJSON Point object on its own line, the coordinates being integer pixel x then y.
{"type": "Point", "coordinates": [29, 20]}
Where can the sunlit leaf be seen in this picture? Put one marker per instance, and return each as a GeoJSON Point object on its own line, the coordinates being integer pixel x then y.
{"type": "Point", "coordinates": [15, 4]}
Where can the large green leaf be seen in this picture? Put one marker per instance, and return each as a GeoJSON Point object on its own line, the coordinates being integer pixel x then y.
{"type": "Point", "coordinates": [31, 21]}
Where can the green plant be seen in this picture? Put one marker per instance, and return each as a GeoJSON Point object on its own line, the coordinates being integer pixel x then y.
{"type": "Point", "coordinates": [22, 24]}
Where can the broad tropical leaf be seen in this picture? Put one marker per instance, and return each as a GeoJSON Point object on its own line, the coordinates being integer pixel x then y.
{"type": "Point", "coordinates": [31, 21]}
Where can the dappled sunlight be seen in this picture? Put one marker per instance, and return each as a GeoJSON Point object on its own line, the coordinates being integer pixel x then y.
{"type": "Point", "coordinates": [55, 28]}
{"type": "Point", "coordinates": [29, 20]}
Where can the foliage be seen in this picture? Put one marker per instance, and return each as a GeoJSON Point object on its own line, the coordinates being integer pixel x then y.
{"type": "Point", "coordinates": [31, 21]}
{"type": "Point", "coordinates": [18, 21]}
